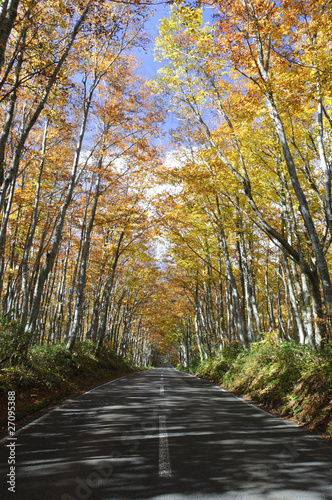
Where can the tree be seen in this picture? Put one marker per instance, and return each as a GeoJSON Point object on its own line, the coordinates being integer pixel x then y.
{"type": "Point", "coordinates": [77, 90]}
{"type": "Point", "coordinates": [208, 73]}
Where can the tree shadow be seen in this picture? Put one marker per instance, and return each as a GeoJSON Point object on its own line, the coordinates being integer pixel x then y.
{"type": "Point", "coordinates": [104, 445]}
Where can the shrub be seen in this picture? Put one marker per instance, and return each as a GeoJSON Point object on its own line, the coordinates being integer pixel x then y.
{"type": "Point", "coordinates": [289, 377]}
{"type": "Point", "coordinates": [215, 368]}
{"type": "Point", "coordinates": [14, 342]}
{"type": "Point", "coordinates": [52, 358]}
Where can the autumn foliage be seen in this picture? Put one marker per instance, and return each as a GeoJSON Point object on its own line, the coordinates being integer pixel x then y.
{"type": "Point", "coordinates": [250, 226]}
{"type": "Point", "coordinates": [76, 157]}
{"type": "Point", "coordinates": [106, 236]}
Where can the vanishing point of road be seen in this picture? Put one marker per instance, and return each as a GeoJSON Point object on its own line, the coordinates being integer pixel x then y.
{"type": "Point", "coordinates": [165, 435]}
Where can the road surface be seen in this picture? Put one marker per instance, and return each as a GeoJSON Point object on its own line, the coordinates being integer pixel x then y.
{"type": "Point", "coordinates": [164, 435]}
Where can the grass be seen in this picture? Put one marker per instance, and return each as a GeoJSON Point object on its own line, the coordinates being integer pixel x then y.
{"type": "Point", "coordinates": [288, 378]}
{"type": "Point", "coordinates": [49, 374]}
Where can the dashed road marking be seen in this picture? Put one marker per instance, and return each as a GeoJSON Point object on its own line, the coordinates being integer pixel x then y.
{"type": "Point", "coordinates": [164, 460]}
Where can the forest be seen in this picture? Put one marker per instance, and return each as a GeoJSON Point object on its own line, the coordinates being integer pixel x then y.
{"type": "Point", "coordinates": [165, 244]}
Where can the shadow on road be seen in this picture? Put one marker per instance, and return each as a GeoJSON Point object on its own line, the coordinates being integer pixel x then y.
{"type": "Point", "coordinates": [104, 445]}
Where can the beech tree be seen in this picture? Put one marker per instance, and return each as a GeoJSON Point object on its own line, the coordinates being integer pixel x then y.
{"type": "Point", "coordinates": [241, 200]}
{"type": "Point", "coordinates": [208, 73]}
{"type": "Point", "coordinates": [73, 90]}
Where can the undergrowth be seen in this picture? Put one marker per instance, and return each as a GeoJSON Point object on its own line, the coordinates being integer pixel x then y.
{"type": "Point", "coordinates": [287, 377]}
{"type": "Point", "coordinates": [49, 373]}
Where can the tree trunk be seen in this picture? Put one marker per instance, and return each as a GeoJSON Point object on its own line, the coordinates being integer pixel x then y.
{"type": "Point", "coordinates": [8, 13]}
{"type": "Point", "coordinates": [79, 299]}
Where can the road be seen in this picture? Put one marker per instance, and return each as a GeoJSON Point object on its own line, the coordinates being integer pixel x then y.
{"type": "Point", "coordinates": [165, 435]}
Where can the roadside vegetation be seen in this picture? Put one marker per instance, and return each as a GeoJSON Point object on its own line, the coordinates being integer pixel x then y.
{"type": "Point", "coordinates": [46, 374]}
{"type": "Point", "coordinates": [289, 378]}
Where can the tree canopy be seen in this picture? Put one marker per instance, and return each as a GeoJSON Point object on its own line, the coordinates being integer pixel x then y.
{"type": "Point", "coordinates": [165, 249]}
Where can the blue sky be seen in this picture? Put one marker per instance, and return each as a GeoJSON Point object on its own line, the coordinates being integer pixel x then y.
{"type": "Point", "coordinates": [149, 66]}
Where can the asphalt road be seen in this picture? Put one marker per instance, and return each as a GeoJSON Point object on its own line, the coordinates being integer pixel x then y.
{"type": "Point", "coordinates": [164, 435]}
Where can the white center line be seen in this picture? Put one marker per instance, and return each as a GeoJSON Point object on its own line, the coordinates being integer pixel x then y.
{"type": "Point", "coordinates": [164, 461]}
